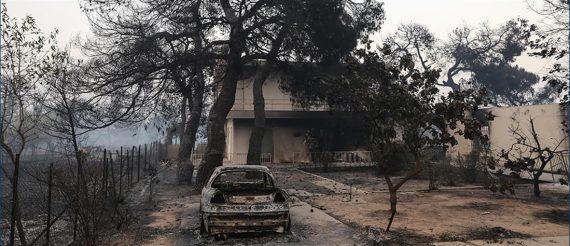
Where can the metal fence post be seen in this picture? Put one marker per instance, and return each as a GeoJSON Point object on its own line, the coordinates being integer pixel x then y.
{"type": "Point", "coordinates": [139, 164]}
{"type": "Point", "coordinates": [48, 221]}
{"type": "Point", "coordinates": [128, 181]}
{"type": "Point", "coordinates": [145, 160]}
{"type": "Point", "coordinates": [133, 150]}
{"type": "Point", "coordinates": [120, 156]}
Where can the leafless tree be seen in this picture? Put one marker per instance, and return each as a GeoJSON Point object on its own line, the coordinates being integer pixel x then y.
{"type": "Point", "coordinates": [165, 58]}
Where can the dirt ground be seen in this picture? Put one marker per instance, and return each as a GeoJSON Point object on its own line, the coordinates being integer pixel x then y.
{"type": "Point", "coordinates": [370, 181]}
{"type": "Point", "coordinates": [456, 215]}
{"type": "Point", "coordinates": [327, 210]}
{"type": "Point", "coordinates": [171, 218]}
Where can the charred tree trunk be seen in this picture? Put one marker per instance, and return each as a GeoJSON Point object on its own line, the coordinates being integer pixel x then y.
{"type": "Point", "coordinates": [536, 186]}
{"type": "Point", "coordinates": [215, 148]}
{"type": "Point", "coordinates": [188, 139]}
{"type": "Point", "coordinates": [169, 136]}
{"type": "Point", "coordinates": [21, 232]}
{"type": "Point", "coordinates": [185, 150]}
{"type": "Point", "coordinates": [256, 138]}
{"type": "Point", "coordinates": [393, 204]}
{"type": "Point", "coordinates": [393, 189]}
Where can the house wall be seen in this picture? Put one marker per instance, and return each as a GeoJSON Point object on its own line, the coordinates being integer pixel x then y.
{"type": "Point", "coordinates": [275, 98]}
{"type": "Point", "coordinates": [548, 124]}
{"type": "Point", "coordinates": [282, 139]}
{"type": "Point", "coordinates": [172, 152]}
{"type": "Point", "coordinates": [547, 120]}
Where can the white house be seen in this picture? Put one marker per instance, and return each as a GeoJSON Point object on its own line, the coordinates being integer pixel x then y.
{"type": "Point", "coordinates": [286, 124]}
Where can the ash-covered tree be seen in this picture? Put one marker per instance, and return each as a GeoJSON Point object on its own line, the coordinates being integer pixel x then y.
{"type": "Point", "coordinates": [67, 116]}
{"type": "Point", "coordinates": [401, 110]}
{"type": "Point", "coordinates": [227, 33]}
{"type": "Point", "coordinates": [318, 34]}
{"type": "Point", "coordinates": [154, 59]}
{"type": "Point", "coordinates": [254, 24]}
{"type": "Point", "coordinates": [481, 57]}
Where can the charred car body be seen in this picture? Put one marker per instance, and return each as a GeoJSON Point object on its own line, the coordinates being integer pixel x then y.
{"type": "Point", "coordinates": [243, 198]}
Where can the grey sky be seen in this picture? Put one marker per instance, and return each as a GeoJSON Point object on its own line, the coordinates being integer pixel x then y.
{"type": "Point", "coordinates": [441, 16]}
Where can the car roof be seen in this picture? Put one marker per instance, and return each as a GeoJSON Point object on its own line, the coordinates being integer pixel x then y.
{"type": "Point", "coordinates": [242, 167]}
{"type": "Point", "coordinates": [232, 168]}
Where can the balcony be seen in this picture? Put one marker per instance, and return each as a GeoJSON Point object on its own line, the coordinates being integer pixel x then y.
{"type": "Point", "coordinates": [276, 105]}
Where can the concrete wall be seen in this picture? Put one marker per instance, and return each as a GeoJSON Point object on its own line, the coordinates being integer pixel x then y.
{"type": "Point", "coordinates": [548, 124]}
{"type": "Point", "coordinates": [547, 120]}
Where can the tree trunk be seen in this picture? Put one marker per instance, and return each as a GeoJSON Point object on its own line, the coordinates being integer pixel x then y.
{"type": "Point", "coordinates": [21, 232]}
{"type": "Point", "coordinates": [16, 213]}
{"type": "Point", "coordinates": [393, 201]}
{"type": "Point", "coordinates": [536, 185]}
{"type": "Point", "coordinates": [215, 148]}
{"type": "Point", "coordinates": [189, 136]}
{"type": "Point", "coordinates": [256, 138]}
{"type": "Point", "coordinates": [168, 137]}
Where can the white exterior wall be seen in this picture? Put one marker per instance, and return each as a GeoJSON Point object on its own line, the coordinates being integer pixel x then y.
{"type": "Point", "coordinates": [275, 99]}
{"type": "Point", "coordinates": [287, 140]}
{"type": "Point", "coordinates": [547, 120]}
{"type": "Point", "coordinates": [230, 137]}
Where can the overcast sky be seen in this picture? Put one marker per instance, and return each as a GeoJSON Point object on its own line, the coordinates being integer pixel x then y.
{"type": "Point", "coordinates": [441, 16]}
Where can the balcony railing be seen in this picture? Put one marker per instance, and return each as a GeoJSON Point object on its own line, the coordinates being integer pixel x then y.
{"type": "Point", "coordinates": [234, 158]}
{"type": "Point", "coordinates": [277, 105]}
{"type": "Point", "coordinates": [333, 157]}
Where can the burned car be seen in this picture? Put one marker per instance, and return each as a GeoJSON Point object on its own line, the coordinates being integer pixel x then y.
{"type": "Point", "coordinates": [243, 198]}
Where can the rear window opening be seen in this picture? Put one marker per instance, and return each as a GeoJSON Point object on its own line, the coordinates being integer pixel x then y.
{"type": "Point", "coordinates": [243, 180]}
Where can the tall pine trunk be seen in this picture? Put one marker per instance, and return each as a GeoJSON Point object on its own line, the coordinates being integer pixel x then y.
{"type": "Point", "coordinates": [256, 138]}
{"type": "Point", "coordinates": [215, 148]}
{"type": "Point", "coordinates": [188, 138]}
